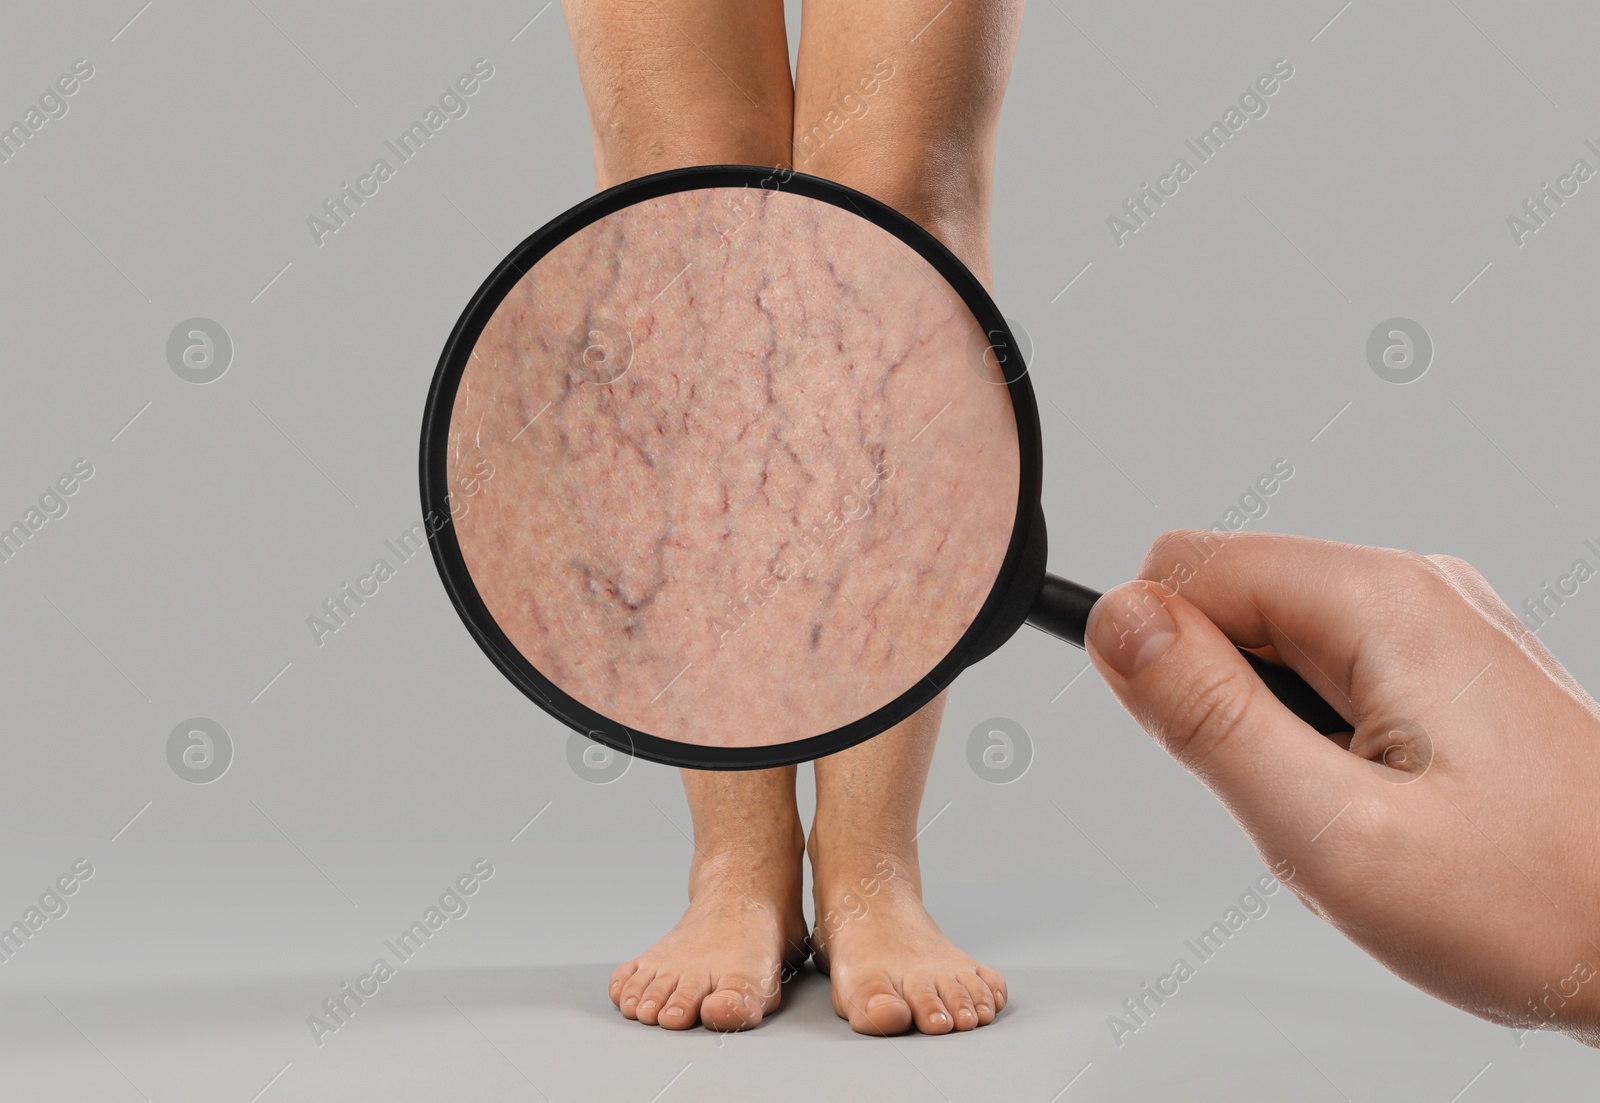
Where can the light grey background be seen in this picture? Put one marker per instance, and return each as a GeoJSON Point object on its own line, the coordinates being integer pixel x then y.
{"type": "Point", "coordinates": [371, 771]}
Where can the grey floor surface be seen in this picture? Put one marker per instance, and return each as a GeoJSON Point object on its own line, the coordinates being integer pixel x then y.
{"type": "Point", "coordinates": [518, 1034]}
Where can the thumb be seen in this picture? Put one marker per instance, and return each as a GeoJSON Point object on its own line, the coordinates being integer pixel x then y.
{"type": "Point", "coordinates": [1189, 686]}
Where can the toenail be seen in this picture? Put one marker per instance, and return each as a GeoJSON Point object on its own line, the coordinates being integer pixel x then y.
{"type": "Point", "coordinates": [938, 1018]}
{"type": "Point", "coordinates": [647, 1005]}
{"type": "Point", "coordinates": [673, 1011]}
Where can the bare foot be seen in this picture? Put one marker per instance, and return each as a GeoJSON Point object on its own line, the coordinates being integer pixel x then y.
{"type": "Point", "coordinates": [890, 966]}
{"type": "Point", "coordinates": [723, 965]}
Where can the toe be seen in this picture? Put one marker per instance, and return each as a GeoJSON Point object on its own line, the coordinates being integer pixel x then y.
{"type": "Point", "coordinates": [873, 1007]}
{"type": "Point", "coordinates": [733, 1006]}
{"type": "Point", "coordinates": [655, 996]}
{"type": "Point", "coordinates": [997, 985]}
{"type": "Point", "coordinates": [619, 978]}
{"type": "Point", "coordinates": [958, 1001]}
{"type": "Point", "coordinates": [682, 1007]}
{"type": "Point", "coordinates": [929, 1011]}
{"type": "Point", "coordinates": [984, 1002]}
{"type": "Point", "coordinates": [633, 988]}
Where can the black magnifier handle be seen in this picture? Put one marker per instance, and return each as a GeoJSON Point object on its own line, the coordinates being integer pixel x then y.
{"type": "Point", "coordinates": [1062, 609]}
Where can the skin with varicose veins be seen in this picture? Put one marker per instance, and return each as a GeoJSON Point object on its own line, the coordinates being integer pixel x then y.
{"type": "Point", "coordinates": [745, 464]}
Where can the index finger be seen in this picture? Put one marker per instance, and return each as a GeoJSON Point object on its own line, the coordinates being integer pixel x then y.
{"type": "Point", "coordinates": [1355, 622]}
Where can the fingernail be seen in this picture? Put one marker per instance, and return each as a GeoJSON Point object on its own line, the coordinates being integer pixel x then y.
{"type": "Point", "coordinates": [1130, 626]}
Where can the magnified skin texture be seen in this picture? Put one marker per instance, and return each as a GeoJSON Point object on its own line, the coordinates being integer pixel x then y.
{"type": "Point", "coordinates": [751, 476]}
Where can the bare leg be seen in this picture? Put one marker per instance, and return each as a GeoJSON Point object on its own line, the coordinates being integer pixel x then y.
{"type": "Point", "coordinates": [723, 963]}
{"type": "Point", "coordinates": [923, 140]}
{"type": "Point", "coordinates": [670, 84]}
{"type": "Point", "coordinates": [906, 111]}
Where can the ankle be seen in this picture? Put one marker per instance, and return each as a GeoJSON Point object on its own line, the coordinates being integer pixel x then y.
{"type": "Point", "coordinates": [950, 197]}
{"type": "Point", "coordinates": [766, 865]}
{"type": "Point", "coordinates": [863, 865]}
{"type": "Point", "coordinates": [623, 156]}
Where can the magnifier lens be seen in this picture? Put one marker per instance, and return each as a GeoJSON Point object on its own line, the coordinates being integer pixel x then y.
{"type": "Point", "coordinates": [732, 467]}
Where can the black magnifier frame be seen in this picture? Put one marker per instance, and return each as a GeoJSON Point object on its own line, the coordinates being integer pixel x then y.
{"type": "Point", "coordinates": [1023, 592]}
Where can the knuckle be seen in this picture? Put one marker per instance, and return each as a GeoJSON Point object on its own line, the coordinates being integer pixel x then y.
{"type": "Point", "coordinates": [1214, 710]}
{"type": "Point", "coordinates": [1462, 577]}
{"type": "Point", "coordinates": [1454, 566]}
{"type": "Point", "coordinates": [1408, 597]}
{"type": "Point", "coordinates": [1404, 587]}
{"type": "Point", "coordinates": [1165, 550]}
{"type": "Point", "coordinates": [1412, 567]}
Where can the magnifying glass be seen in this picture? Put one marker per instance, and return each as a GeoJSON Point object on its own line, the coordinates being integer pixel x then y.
{"type": "Point", "coordinates": [732, 468]}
